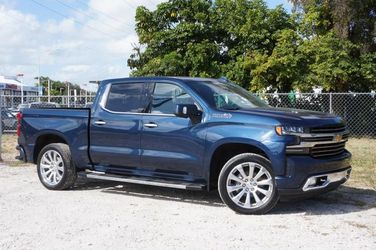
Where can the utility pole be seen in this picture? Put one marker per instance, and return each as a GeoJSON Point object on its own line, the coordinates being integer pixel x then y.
{"type": "Point", "coordinates": [38, 86]}
{"type": "Point", "coordinates": [85, 91]}
{"type": "Point", "coordinates": [22, 92]}
{"type": "Point", "coordinates": [68, 94]}
{"type": "Point", "coordinates": [49, 90]}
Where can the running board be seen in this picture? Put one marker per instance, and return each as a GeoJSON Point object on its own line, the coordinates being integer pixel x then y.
{"type": "Point", "coordinates": [141, 180]}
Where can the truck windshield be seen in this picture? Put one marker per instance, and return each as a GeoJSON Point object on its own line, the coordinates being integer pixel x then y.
{"type": "Point", "coordinates": [226, 96]}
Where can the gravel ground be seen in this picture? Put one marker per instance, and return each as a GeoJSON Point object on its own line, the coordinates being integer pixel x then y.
{"type": "Point", "coordinates": [100, 215]}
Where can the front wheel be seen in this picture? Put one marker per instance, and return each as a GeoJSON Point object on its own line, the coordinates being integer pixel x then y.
{"type": "Point", "coordinates": [55, 168]}
{"type": "Point", "coordinates": [247, 185]}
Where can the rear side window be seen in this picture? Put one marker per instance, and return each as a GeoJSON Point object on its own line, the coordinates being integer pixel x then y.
{"type": "Point", "coordinates": [126, 97]}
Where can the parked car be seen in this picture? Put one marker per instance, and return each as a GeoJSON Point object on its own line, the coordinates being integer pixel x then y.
{"type": "Point", "coordinates": [189, 133]}
{"type": "Point", "coordinates": [34, 105]}
{"type": "Point", "coordinates": [38, 105]}
{"type": "Point", "coordinates": [23, 106]}
{"type": "Point", "coordinates": [8, 120]}
{"type": "Point", "coordinates": [88, 105]}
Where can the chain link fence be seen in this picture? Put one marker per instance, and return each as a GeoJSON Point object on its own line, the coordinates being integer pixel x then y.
{"type": "Point", "coordinates": [11, 105]}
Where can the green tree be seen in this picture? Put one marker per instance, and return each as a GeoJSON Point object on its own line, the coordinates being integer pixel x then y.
{"type": "Point", "coordinates": [283, 68]}
{"type": "Point", "coordinates": [168, 33]}
{"type": "Point", "coordinates": [330, 43]}
{"type": "Point", "coordinates": [202, 38]}
{"type": "Point", "coordinates": [330, 63]}
{"type": "Point", "coordinates": [353, 20]}
{"type": "Point", "coordinates": [57, 87]}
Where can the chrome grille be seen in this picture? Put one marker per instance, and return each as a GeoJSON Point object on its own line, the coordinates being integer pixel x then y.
{"type": "Point", "coordinates": [345, 136]}
{"type": "Point", "coordinates": [329, 129]}
{"type": "Point", "coordinates": [328, 149]}
{"type": "Point", "coordinates": [321, 138]}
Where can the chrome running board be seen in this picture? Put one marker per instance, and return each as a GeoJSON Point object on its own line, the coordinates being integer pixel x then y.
{"type": "Point", "coordinates": [142, 180]}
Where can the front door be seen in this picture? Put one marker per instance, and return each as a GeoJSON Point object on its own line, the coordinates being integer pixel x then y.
{"type": "Point", "coordinates": [171, 145]}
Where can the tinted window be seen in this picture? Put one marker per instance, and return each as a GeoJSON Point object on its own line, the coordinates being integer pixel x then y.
{"type": "Point", "coordinates": [166, 96]}
{"type": "Point", "coordinates": [125, 98]}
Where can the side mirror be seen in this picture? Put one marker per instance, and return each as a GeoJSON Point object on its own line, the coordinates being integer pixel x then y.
{"type": "Point", "coordinates": [187, 111]}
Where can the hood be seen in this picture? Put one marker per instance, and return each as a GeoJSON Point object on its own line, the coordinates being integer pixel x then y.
{"type": "Point", "coordinates": [293, 116]}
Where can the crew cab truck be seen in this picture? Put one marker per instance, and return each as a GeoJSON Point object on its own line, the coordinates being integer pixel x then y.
{"type": "Point", "coordinates": [188, 133]}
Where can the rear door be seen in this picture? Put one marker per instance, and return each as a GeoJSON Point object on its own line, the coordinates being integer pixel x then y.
{"type": "Point", "coordinates": [171, 145]}
{"type": "Point", "coordinates": [115, 131]}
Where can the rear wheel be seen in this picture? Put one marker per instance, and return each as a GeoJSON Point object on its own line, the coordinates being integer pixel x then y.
{"type": "Point", "coordinates": [55, 168]}
{"type": "Point", "coordinates": [247, 185]}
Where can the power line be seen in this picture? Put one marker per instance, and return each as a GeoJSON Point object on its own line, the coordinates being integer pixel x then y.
{"type": "Point", "coordinates": [101, 12]}
{"type": "Point", "coordinates": [76, 21]}
{"type": "Point", "coordinates": [89, 16]}
{"type": "Point", "coordinates": [129, 4]}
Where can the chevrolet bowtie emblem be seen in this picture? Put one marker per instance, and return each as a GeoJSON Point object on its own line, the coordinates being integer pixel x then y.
{"type": "Point", "coordinates": [338, 138]}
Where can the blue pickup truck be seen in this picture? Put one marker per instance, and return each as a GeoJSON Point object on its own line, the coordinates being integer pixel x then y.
{"type": "Point", "coordinates": [188, 133]}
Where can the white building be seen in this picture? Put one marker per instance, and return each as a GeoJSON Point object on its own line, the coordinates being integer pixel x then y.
{"type": "Point", "coordinates": [10, 88]}
{"type": "Point", "coordinates": [10, 85]}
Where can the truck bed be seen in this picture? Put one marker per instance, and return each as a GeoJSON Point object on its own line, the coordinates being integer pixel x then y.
{"type": "Point", "coordinates": [71, 124]}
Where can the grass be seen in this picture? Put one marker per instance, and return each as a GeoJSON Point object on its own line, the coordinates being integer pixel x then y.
{"type": "Point", "coordinates": [363, 160]}
{"type": "Point", "coordinates": [9, 152]}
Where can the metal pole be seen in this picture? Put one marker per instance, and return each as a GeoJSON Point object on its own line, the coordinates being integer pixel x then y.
{"type": "Point", "coordinates": [68, 95]}
{"type": "Point", "coordinates": [39, 84]}
{"type": "Point", "coordinates": [49, 90]}
{"type": "Point", "coordinates": [330, 103]}
{"type": "Point", "coordinates": [85, 92]}
{"type": "Point", "coordinates": [22, 93]}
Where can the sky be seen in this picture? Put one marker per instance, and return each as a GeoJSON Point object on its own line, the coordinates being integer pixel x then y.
{"type": "Point", "coordinates": [71, 40]}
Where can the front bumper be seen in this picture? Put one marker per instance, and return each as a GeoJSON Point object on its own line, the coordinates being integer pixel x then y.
{"type": "Point", "coordinates": [301, 193]}
{"type": "Point", "coordinates": [323, 180]}
{"type": "Point", "coordinates": [306, 176]}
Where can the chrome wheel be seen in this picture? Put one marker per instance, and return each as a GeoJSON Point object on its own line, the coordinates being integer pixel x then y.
{"type": "Point", "coordinates": [51, 167]}
{"type": "Point", "coordinates": [249, 185]}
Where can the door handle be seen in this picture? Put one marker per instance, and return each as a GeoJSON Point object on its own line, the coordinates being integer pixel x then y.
{"type": "Point", "coordinates": [150, 125]}
{"type": "Point", "coordinates": [100, 122]}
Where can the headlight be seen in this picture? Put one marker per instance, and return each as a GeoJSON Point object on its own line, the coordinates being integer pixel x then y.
{"type": "Point", "coordinates": [287, 130]}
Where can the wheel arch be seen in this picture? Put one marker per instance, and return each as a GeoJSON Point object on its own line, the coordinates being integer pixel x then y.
{"type": "Point", "coordinates": [47, 138]}
{"type": "Point", "coordinates": [222, 152]}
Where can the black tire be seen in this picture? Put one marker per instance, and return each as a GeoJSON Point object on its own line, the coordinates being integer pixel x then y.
{"type": "Point", "coordinates": [69, 175]}
{"type": "Point", "coordinates": [230, 166]}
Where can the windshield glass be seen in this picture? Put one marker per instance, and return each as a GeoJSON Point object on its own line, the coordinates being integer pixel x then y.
{"type": "Point", "coordinates": [226, 96]}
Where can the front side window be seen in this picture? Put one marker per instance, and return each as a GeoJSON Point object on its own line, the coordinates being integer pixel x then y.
{"type": "Point", "coordinates": [226, 96]}
{"type": "Point", "coordinates": [125, 97]}
{"type": "Point", "coordinates": [166, 96]}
